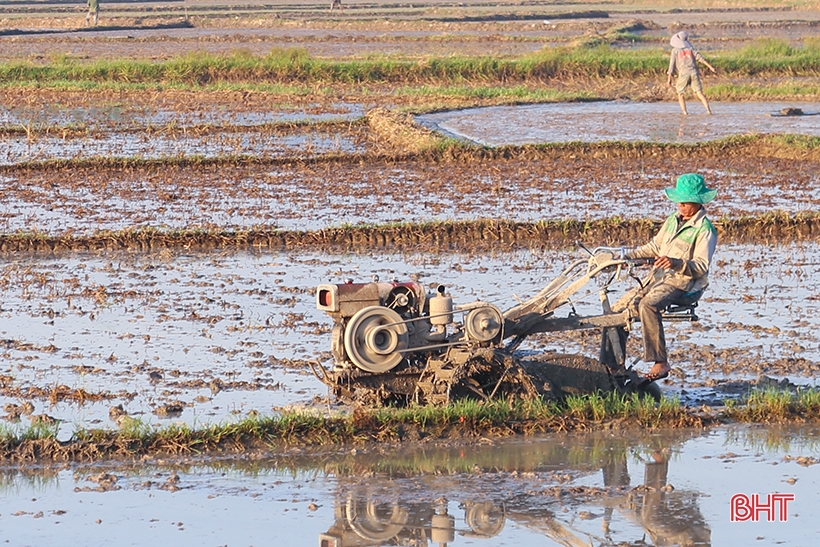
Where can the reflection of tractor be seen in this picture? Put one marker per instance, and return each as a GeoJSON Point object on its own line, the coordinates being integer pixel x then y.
{"type": "Point", "coordinates": [362, 521]}
{"type": "Point", "coordinates": [393, 342]}
{"type": "Point", "coordinates": [576, 491]}
{"type": "Point", "coordinates": [670, 517]}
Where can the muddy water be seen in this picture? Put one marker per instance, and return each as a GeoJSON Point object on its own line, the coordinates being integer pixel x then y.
{"type": "Point", "coordinates": [118, 131]}
{"type": "Point", "coordinates": [622, 121]}
{"type": "Point", "coordinates": [664, 489]}
{"type": "Point", "coordinates": [212, 337]}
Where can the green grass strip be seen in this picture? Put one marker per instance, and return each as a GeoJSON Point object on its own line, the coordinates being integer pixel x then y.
{"type": "Point", "coordinates": [286, 67]}
{"type": "Point", "coordinates": [462, 419]}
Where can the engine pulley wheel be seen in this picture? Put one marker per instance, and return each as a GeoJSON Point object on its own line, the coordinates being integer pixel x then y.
{"type": "Point", "coordinates": [483, 324]}
{"type": "Point", "coordinates": [374, 521]}
{"type": "Point", "coordinates": [374, 338]}
{"type": "Point", "coordinates": [485, 519]}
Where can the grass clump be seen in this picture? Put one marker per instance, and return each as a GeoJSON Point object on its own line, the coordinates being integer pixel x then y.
{"type": "Point", "coordinates": [797, 141]}
{"type": "Point", "coordinates": [615, 406]}
{"type": "Point", "coordinates": [493, 413]}
{"type": "Point", "coordinates": [775, 406]}
{"type": "Point", "coordinates": [522, 416]}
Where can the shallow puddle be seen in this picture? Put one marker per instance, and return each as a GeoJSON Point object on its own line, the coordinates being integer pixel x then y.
{"type": "Point", "coordinates": [604, 489]}
{"type": "Point", "coordinates": [212, 337]}
{"type": "Point", "coordinates": [600, 121]}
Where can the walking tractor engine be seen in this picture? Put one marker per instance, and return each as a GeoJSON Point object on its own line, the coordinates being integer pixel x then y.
{"type": "Point", "coordinates": [379, 326]}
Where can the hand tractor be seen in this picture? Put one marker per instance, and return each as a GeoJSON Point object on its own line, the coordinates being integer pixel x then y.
{"type": "Point", "coordinates": [395, 343]}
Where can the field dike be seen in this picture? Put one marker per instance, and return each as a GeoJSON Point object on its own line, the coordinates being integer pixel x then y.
{"type": "Point", "coordinates": [465, 236]}
{"type": "Point", "coordinates": [459, 421]}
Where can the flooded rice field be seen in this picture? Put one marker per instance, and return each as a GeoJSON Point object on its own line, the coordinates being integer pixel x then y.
{"type": "Point", "coordinates": [623, 121]}
{"type": "Point", "coordinates": [181, 112]}
{"type": "Point", "coordinates": [605, 489]}
{"type": "Point", "coordinates": [141, 167]}
{"type": "Point", "coordinates": [244, 126]}
{"type": "Point", "coordinates": [170, 142]}
{"type": "Point", "coordinates": [192, 336]}
{"type": "Point", "coordinates": [304, 195]}
{"type": "Point", "coordinates": [208, 337]}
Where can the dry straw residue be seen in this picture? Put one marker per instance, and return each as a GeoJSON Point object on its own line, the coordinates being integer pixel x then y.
{"type": "Point", "coordinates": [398, 133]}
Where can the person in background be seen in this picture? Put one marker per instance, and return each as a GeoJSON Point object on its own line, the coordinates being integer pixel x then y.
{"type": "Point", "coordinates": [684, 61]}
{"type": "Point", "coordinates": [93, 12]}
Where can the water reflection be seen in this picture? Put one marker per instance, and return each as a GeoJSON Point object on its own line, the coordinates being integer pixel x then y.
{"type": "Point", "coordinates": [546, 486]}
{"type": "Point", "coordinates": [28, 480]}
{"type": "Point", "coordinates": [670, 517]}
{"type": "Point", "coordinates": [360, 521]}
{"type": "Point", "coordinates": [616, 488]}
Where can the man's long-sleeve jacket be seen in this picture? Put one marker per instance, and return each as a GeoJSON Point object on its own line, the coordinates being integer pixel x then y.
{"type": "Point", "coordinates": [690, 244]}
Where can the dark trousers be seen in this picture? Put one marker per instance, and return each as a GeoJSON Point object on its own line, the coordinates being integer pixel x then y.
{"type": "Point", "coordinates": [650, 302]}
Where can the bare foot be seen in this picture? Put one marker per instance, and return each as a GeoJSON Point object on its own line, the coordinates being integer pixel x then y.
{"type": "Point", "coordinates": [659, 371]}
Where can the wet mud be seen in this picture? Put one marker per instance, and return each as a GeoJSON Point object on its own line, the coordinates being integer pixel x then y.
{"type": "Point", "coordinates": [574, 183]}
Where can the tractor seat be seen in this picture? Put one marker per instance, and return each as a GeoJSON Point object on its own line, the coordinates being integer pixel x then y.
{"type": "Point", "coordinates": [684, 308]}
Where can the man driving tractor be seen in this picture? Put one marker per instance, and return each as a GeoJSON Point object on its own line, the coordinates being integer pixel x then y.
{"type": "Point", "coordinates": [682, 250]}
{"type": "Point", "coordinates": [395, 343]}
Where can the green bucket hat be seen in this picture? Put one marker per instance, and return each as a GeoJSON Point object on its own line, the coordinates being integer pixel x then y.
{"type": "Point", "coordinates": [690, 188]}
